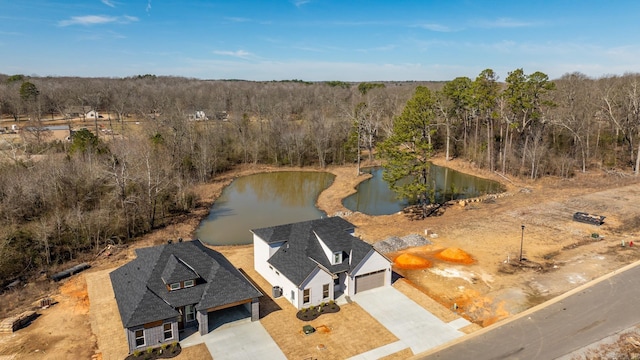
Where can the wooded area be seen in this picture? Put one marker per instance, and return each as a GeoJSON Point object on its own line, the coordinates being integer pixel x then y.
{"type": "Point", "coordinates": [62, 198]}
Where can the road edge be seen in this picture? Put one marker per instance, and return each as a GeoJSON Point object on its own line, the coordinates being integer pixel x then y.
{"type": "Point", "coordinates": [527, 312]}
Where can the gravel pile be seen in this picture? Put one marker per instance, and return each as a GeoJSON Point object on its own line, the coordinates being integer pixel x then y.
{"type": "Point", "coordinates": [395, 243]}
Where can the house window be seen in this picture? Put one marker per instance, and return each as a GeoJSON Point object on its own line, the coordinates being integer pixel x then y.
{"type": "Point", "coordinates": [306, 296]}
{"type": "Point", "coordinates": [139, 335]}
{"type": "Point", "coordinates": [325, 291]}
{"type": "Point", "coordinates": [293, 295]}
{"type": "Point", "coordinates": [190, 313]}
{"type": "Point", "coordinates": [337, 258]}
{"type": "Point", "coordinates": [167, 331]}
{"type": "Point", "coordinates": [188, 283]}
{"type": "Point", "coordinates": [174, 286]}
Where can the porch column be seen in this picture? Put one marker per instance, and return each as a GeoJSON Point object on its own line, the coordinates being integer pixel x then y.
{"type": "Point", "coordinates": [255, 309]}
{"type": "Point", "coordinates": [203, 321]}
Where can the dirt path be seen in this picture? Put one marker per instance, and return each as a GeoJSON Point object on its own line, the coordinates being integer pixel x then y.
{"type": "Point", "coordinates": [105, 322]}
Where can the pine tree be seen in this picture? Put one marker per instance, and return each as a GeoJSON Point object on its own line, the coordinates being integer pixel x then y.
{"type": "Point", "coordinates": [408, 150]}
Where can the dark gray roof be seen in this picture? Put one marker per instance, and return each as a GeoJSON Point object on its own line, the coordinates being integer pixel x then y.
{"type": "Point", "coordinates": [176, 271]}
{"type": "Point", "coordinates": [301, 251]}
{"type": "Point", "coordinates": [140, 286]}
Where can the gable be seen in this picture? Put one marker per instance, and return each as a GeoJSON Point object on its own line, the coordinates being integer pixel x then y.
{"type": "Point", "coordinates": [176, 271]}
{"type": "Point", "coordinates": [372, 261]}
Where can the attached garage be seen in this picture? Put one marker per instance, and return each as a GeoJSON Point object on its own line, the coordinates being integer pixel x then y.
{"type": "Point", "coordinates": [369, 281]}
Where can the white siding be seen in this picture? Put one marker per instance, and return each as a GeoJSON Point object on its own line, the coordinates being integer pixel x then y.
{"type": "Point", "coordinates": [371, 263]}
{"type": "Point", "coordinates": [287, 287]}
{"type": "Point", "coordinates": [261, 253]}
{"type": "Point", "coordinates": [315, 282]}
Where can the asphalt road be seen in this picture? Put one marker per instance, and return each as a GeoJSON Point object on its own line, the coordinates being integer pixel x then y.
{"type": "Point", "coordinates": [561, 327]}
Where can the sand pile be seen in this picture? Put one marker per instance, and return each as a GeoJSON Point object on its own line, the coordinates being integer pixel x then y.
{"type": "Point", "coordinates": [455, 255]}
{"type": "Point", "coordinates": [409, 261]}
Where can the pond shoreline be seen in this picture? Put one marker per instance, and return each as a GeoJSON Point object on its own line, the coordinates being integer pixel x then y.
{"type": "Point", "coordinates": [329, 200]}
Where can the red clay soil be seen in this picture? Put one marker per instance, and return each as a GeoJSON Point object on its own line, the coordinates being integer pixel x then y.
{"type": "Point", "coordinates": [411, 262]}
{"type": "Point", "coordinates": [455, 255]}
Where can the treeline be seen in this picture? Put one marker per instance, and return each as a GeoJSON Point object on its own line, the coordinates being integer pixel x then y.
{"type": "Point", "coordinates": [59, 198]}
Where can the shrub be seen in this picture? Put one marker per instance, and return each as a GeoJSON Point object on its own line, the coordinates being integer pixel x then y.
{"type": "Point", "coordinates": [136, 353]}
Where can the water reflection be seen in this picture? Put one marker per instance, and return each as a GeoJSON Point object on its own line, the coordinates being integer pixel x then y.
{"type": "Point", "coordinates": [374, 197]}
{"type": "Point", "coordinates": [262, 200]}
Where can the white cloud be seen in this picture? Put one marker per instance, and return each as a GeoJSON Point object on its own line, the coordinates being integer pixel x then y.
{"type": "Point", "coordinates": [435, 27]}
{"type": "Point", "coordinates": [129, 19]}
{"type": "Point", "coordinates": [378, 48]}
{"type": "Point", "coordinates": [505, 23]}
{"type": "Point", "coordinates": [299, 3]}
{"type": "Point", "coordinates": [148, 9]}
{"type": "Point", "coordinates": [109, 3]}
{"type": "Point", "coordinates": [239, 53]}
{"type": "Point", "coordinates": [88, 20]}
{"type": "Point", "coordinates": [237, 19]}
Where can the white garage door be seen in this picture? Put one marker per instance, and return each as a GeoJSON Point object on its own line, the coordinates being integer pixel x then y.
{"type": "Point", "coordinates": [369, 281]}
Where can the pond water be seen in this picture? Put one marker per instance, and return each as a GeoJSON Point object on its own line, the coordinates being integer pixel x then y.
{"type": "Point", "coordinates": [374, 197]}
{"type": "Point", "coordinates": [262, 200]}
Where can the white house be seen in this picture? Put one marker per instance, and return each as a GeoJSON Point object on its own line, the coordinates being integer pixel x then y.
{"type": "Point", "coordinates": [91, 114]}
{"type": "Point", "coordinates": [317, 261]}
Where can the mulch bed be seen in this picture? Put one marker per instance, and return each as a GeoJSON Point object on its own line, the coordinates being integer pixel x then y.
{"type": "Point", "coordinates": [312, 313]}
{"type": "Point", "coordinates": [169, 352]}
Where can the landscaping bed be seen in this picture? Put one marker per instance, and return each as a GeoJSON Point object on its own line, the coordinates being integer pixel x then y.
{"type": "Point", "coordinates": [313, 312]}
{"type": "Point", "coordinates": [166, 351]}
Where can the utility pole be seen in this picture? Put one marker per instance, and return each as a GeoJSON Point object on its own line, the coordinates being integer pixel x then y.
{"type": "Point", "coordinates": [521, 241]}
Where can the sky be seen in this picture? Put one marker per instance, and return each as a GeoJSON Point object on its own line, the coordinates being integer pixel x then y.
{"type": "Point", "coordinates": [318, 40]}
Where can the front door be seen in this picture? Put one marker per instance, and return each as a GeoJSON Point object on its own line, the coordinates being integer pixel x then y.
{"type": "Point", "coordinates": [181, 319]}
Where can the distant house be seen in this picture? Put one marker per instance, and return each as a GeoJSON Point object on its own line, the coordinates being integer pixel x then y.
{"type": "Point", "coordinates": [91, 114]}
{"type": "Point", "coordinates": [198, 116]}
{"type": "Point", "coordinates": [83, 112]}
{"type": "Point", "coordinates": [177, 285]}
{"type": "Point", "coordinates": [316, 261]}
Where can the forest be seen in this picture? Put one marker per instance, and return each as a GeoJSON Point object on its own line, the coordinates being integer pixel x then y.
{"type": "Point", "coordinates": [62, 199]}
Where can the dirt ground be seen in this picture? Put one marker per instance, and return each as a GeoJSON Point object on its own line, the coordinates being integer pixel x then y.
{"type": "Point", "coordinates": [561, 254]}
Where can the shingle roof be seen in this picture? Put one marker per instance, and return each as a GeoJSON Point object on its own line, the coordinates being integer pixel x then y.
{"type": "Point", "coordinates": [176, 271]}
{"type": "Point", "coordinates": [301, 252]}
{"type": "Point", "coordinates": [140, 286]}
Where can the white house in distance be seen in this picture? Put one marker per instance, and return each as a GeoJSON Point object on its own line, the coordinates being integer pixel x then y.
{"type": "Point", "coordinates": [316, 261]}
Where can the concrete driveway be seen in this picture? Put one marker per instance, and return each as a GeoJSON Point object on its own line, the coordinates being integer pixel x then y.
{"type": "Point", "coordinates": [237, 339]}
{"type": "Point", "coordinates": [416, 328]}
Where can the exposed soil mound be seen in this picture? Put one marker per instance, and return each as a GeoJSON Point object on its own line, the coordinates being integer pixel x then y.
{"type": "Point", "coordinates": [409, 261]}
{"type": "Point", "coordinates": [455, 255]}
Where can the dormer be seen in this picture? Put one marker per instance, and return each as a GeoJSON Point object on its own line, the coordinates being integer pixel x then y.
{"type": "Point", "coordinates": [178, 275]}
{"type": "Point", "coordinates": [337, 258]}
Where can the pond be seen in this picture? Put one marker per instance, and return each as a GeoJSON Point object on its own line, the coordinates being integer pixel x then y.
{"type": "Point", "coordinates": [262, 200]}
{"type": "Point", "coordinates": [374, 197]}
